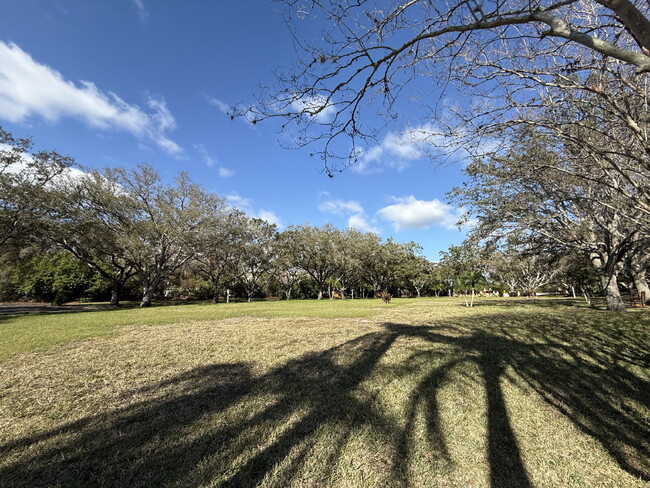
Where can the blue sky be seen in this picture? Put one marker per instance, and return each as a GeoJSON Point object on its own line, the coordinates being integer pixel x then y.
{"type": "Point", "coordinates": [123, 82]}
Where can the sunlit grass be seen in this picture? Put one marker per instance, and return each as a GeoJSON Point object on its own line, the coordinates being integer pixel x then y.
{"type": "Point", "coordinates": [415, 393]}
{"type": "Point", "coordinates": [24, 333]}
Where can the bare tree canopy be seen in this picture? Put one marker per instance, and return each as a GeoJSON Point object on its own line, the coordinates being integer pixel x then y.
{"type": "Point", "coordinates": [508, 58]}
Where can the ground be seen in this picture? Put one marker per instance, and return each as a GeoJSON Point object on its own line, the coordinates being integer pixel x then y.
{"type": "Point", "coordinates": [419, 392]}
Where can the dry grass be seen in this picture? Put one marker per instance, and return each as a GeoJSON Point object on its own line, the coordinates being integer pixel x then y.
{"type": "Point", "coordinates": [416, 393]}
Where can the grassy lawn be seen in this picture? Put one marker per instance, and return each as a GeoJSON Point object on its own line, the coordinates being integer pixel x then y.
{"type": "Point", "coordinates": [19, 333]}
{"type": "Point", "coordinates": [529, 393]}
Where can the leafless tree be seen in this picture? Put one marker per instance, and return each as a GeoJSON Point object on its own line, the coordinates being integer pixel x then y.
{"type": "Point", "coordinates": [372, 54]}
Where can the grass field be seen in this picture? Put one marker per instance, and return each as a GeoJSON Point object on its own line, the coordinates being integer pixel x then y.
{"type": "Point", "coordinates": [426, 392]}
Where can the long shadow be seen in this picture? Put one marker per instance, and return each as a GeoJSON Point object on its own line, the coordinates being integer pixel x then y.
{"type": "Point", "coordinates": [111, 448]}
{"type": "Point", "coordinates": [491, 355]}
{"type": "Point", "coordinates": [155, 443]}
{"type": "Point", "coordinates": [195, 431]}
{"type": "Point", "coordinates": [586, 374]}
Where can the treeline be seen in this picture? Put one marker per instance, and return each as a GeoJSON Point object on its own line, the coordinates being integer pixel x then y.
{"type": "Point", "coordinates": [121, 233]}
{"type": "Point", "coordinates": [117, 234]}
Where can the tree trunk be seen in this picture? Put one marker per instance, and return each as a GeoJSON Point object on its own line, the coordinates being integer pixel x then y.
{"type": "Point", "coordinates": [215, 296]}
{"type": "Point", "coordinates": [147, 296]}
{"type": "Point", "coordinates": [149, 286]}
{"type": "Point", "coordinates": [320, 294]}
{"type": "Point", "coordinates": [115, 294]}
{"type": "Point", "coordinates": [641, 285]}
{"type": "Point", "coordinates": [613, 295]}
{"type": "Point", "coordinates": [607, 269]}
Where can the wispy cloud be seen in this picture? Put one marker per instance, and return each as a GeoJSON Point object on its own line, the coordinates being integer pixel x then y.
{"type": "Point", "coordinates": [399, 149]}
{"type": "Point", "coordinates": [236, 200]}
{"type": "Point", "coordinates": [211, 162]}
{"type": "Point", "coordinates": [340, 207]}
{"type": "Point", "coordinates": [225, 172]}
{"type": "Point", "coordinates": [207, 159]}
{"type": "Point", "coordinates": [316, 107]}
{"type": "Point", "coordinates": [246, 205]}
{"type": "Point", "coordinates": [222, 106]}
{"type": "Point", "coordinates": [30, 89]}
{"type": "Point", "coordinates": [227, 109]}
{"type": "Point", "coordinates": [411, 213]}
{"type": "Point", "coordinates": [143, 13]}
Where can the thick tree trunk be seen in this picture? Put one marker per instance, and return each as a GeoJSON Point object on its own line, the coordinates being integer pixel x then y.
{"type": "Point", "coordinates": [641, 285]}
{"type": "Point", "coordinates": [149, 289]}
{"type": "Point", "coordinates": [607, 269]}
{"type": "Point", "coordinates": [147, 296]}
{"type": "Point", "coordinates": [613, 295]}
{"type": "Point", "coordinates": [639, 278]}
{"type": "Point", "coordinates": [215, 296]}
{"type": "Point", "coordinates": [320, 294]}
{"type": "Point", "coordinates": [115, 294]}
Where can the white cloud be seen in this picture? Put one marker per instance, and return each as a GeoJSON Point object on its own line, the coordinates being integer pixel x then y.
{"type": "Point", "coordinates": [236, 200]}
{"type": "Point", "coordinates": [357, 218]}
{"type": "Point", "coordinates": [340, 207]}
{"type": "Point", "coordinates": [224, 172]}
{"type": "Point", "coordinates": [29, 89]}
{"type": "Point", "coordinates": [246, 206]}
{"type": "Point", "coordinates": [360, 223]}
{"type": "Point", "coordinates": [142, 10]}
{"type": "Point", "coordinates": [210, 162]}
{"type": "Point", "coordinates": [410, 213]}
{"type": "Point", "coordinates": [269, 216]}
{"type": "Point", "coordinates": [24, 165]}
{"type": "Point", "coordinates": [398, 149]}
{"type": "Point", "coordinates": [316, 107]}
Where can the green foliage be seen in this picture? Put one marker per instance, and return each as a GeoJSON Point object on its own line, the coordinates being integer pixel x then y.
{"type": "Point", "coordinates": [57, 278]}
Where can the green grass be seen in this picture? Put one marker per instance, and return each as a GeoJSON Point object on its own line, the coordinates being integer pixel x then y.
{"type": "Point", "coordinates": [416, 393]}
{"type": "Point", "coordinates": [25, 333]}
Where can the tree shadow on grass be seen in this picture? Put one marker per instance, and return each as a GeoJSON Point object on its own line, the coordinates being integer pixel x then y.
{"type": "Point", "coordinates": [222, 425]}
{"type": "Point", "coordinates": [594, 374]}
{"type": "Point", "coordinates": [162, 441]}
